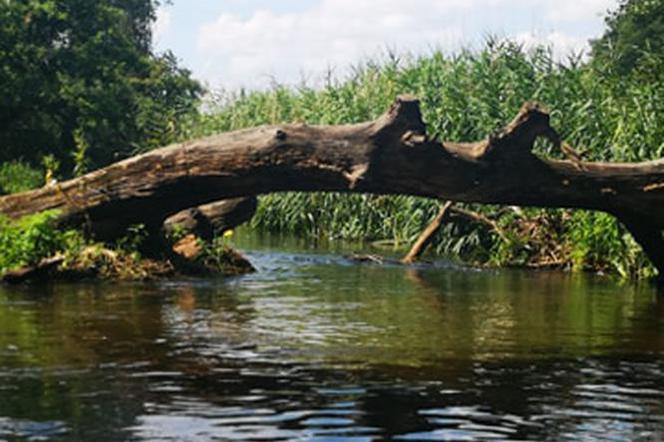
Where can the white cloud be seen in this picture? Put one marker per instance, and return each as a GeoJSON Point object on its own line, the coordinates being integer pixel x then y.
{"type": "Point", "coordinates": [562, 44]}
{"type": "Point", "coordinates": [573, 10]}
{"type": "Point", "coordinates": [334, 33]}
{"type": "Point", "coordinates": [162, 24]}
{"type": "Point", "coordinates": [247, 50]}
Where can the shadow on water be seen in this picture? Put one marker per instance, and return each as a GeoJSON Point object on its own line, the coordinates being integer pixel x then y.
{"type": "Point", "coordinates": [314, 347]}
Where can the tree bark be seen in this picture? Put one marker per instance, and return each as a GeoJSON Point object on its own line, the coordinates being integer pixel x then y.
{"type": "Point", "coordinates": [447, 211]}
{"type": "Point", "coordinates": [427, 235]}
{"type": "Point", "coordinates": [212, 219]}
{"type": "Point", "coordinates": [42, 270]}
{"type": "Point", "coordinates": [391, 155]}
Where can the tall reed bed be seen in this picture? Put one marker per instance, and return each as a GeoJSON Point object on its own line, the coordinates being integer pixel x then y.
{"type": "Point", "coordinates": [465, 97]}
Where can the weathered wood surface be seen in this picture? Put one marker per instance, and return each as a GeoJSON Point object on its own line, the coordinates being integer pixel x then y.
{"type": "Point", "coordinates": [427, 235]}
{"type": "Point", "coordinates": [391, 155]}
{"type": "Point", "coordinates": [42, 270]}
{"type": "Point", "coordinates": [212, 219]}
{"type": "Point", "coordinates": [447, 212]}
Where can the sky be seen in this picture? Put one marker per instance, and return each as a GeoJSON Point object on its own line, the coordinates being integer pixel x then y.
{"type": "Point", "coordinates": [232, 44]}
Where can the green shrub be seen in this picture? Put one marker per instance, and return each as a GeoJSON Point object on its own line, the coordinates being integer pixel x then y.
{"type": "Point", "coordinates": [16, 177]}
{"type": "Point", "coordinates": [32, 238]}
{"type": "Point", "coordinates": [599, 242]}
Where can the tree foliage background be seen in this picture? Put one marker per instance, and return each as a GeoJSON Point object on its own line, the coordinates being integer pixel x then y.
{"type": "Point", "coordinates": [633, 43]}
{"type": "Point", "coordinates": [81, 85]}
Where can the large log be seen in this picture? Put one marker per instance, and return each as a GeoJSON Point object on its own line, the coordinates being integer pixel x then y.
{"type": "Point", "coordinates": [391, 155]}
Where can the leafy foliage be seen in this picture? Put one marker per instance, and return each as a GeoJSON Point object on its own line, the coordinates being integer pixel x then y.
{"type": "Point", "coordinates": [634, 40]}
{"type": "Point", "coordinates": [29, 240]}
{"type": "Point", "coordinates": [17, 176]}
{"type": "Point", "coordinates": [82, 84]}
{"type": "Point", "coordinates": [33, 238]}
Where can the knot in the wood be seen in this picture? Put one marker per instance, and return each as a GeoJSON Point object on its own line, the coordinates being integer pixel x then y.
{"type": "Point", "coordinates": [280, 135]}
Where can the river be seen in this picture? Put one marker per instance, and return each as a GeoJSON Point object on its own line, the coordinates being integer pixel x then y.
{"type": "Point", "coordinates": [316, 347]}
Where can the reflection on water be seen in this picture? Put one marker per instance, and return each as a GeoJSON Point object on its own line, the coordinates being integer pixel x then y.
{"type": "Point", "coordinates": [314, 347]}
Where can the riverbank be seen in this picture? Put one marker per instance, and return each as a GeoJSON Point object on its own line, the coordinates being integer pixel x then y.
{"type": "Point", "coordinates": [101, 263]}
{"type": "Point", "coordinates": [33, 248]}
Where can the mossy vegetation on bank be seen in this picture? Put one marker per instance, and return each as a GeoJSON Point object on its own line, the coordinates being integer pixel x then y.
{"type": "Point", "coordinates": [35, 238]}
{"type": "Point", "coordinates": [33, 247]}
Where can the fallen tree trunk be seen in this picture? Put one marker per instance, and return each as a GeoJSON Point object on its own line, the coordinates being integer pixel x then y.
{"type": "Point", "coordinates": [391, 155]}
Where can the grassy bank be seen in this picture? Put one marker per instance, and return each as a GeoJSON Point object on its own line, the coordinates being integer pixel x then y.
{"type": "Point", "coordinates": [465, 97]}
{"type": "Point", "coordinates": [30, 243]}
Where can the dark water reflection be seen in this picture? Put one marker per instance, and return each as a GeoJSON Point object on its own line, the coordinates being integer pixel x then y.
{"type": "Point", "coordinates": [315, 348]}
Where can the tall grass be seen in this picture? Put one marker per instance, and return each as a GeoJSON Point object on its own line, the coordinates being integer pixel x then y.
{"type": "Point", "coordinates": [465, 97]}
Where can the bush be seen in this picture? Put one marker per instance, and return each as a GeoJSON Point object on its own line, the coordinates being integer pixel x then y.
{"type": "Point", "coordinates": [18, 177]}
{"type": "Point", "coordinates": [33, 238]}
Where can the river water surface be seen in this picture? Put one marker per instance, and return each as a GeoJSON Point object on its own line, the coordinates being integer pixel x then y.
{"type": "Point", "coordinates": [315, 347]}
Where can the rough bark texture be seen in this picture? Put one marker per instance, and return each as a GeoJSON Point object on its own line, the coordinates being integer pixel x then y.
{"type": "Point", "coordinates": [427, 235]}
{"type": "Point", "coordinates": [212, 219]}
{"type": "Point", "coordinates": [391, 155]}
{"type": "Point", "coordinates": [41, 270]}
{"type": "Point", "coordinates": [447, 212]}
